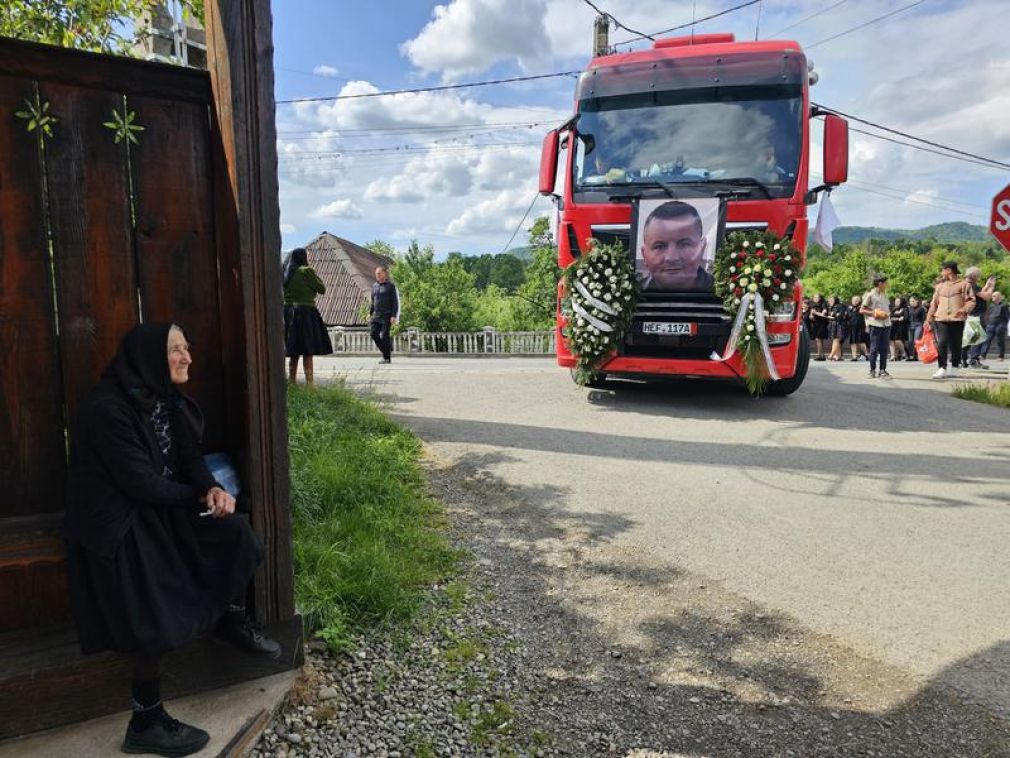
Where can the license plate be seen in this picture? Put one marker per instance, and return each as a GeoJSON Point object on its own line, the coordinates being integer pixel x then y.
{"type": "Point", "coordinates": [669, 327]}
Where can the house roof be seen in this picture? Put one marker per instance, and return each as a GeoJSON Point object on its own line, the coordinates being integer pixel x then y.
{"type": "Point", "coordinates": [348, 271]}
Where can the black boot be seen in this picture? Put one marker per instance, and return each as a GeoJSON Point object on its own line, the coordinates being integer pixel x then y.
{"type": "Point", "coordinates": [237, 628]}
{"type": "Point", "coordinates": [164, 736]}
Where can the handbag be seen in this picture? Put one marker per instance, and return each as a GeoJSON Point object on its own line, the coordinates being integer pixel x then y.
{"type": "Point", "coordinates": [974, 332]}
{"type": "Point", "coordinates": [925, 346]}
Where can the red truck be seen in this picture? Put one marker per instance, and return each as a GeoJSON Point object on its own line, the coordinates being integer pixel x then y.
{"type": "Point", "coordinates": [692, 118]}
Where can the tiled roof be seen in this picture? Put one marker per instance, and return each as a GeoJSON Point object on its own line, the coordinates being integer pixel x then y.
{"type": "Point", "coordinates": [348, 271]}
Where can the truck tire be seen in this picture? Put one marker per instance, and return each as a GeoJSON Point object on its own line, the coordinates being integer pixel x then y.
{"type": "Point", "coordinates": [784, 387]}
{"type": "Point", "coordinates": [598, 381]}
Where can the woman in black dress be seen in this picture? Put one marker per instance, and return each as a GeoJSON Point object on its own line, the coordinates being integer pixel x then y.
{"type": "Point", "coordinates": [818, 324]}
{"type": "Point", "coordinates": [156, 557]}
{"type": "Point", "coordinates": [305, 333]}
{"type": "Point", "coordinates": [899, 329]}
{"type": "Point", "coordinates": [838, 326]}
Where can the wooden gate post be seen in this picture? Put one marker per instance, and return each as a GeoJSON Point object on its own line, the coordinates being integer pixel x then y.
{"type": "Point", "coordinates": [240, 61]}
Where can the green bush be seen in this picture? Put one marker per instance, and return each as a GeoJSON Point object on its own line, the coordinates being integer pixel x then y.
{"type": "Point", "coordinates": [367, 536]}
{"type": "Point", "coordinates": [992, 394]}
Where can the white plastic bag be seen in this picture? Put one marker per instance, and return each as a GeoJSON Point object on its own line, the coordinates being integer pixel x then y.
{"type": "Point", "coordinates": [974, 332]}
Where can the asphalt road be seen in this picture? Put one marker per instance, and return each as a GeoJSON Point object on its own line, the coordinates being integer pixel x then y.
{"type": "Point", "coordinates": [875, 512]}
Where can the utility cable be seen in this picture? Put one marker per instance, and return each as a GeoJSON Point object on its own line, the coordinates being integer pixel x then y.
{"type": "Point", "coordinates": [807, 18]}
{"type": "Point", "coordinates": [618, 23]}
{"type": "Point", "coordinates": [521, 222]}
{"type": "Point", "coordinates": [441, 88]}
{"type": "Point", "coordinates": [995, 163]}
{"type": "Point", "coordinates": [688, 24]}
{"type": "Point", "coordinates": [865, 24]}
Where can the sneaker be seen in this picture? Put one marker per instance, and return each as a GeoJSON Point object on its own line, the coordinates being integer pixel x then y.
{"type": "Point", "coordinates": [245, 635]}
{"type": "Point", "coordinates": [940, 373]}
{"type": "Point", "coordinates": [951, 373]}
{"type": "Point", "coordinates": [873, 374]}
{"type": "Point", "coordinates": [977, 363]}
{"type": "Point", "coordinates": [883, 374]}
{"type": "Point", "coordinates": [166, 736]}
{"type": "Point", "coordinates": [861, 358]}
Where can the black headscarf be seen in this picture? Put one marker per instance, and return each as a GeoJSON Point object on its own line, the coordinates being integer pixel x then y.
{"type": "Point", "coordinates": [141, 365]}
{"type": "Point", "coordinates": [298, 259]}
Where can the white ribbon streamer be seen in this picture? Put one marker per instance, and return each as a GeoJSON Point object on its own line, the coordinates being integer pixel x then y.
{"type": "Point", "coordinates": [734, 335]}
{"type": "Point", "coordinates": [603, 326]}
{"type": "Point", "coordinates": [598, 304]}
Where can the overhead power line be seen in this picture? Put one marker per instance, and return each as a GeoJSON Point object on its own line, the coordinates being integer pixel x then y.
{"type": "Point", "coordinates": [440, 88]}
{"type": "Point", "coordinates": [865, 24]}
{"type": "Point", "coordinates": [688, 24]}
{"type": "Point", "coordinates": [521, 222]}
{"type": "Point", "coordinates": [616, 22]}
{"type": "Point", "coordinates": [995, 163]}
{"type": "Point", "coordinates": [807, 18]}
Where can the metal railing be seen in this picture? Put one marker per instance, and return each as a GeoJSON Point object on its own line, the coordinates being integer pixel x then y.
{"type": "Point", "coordinates": [358, 341]}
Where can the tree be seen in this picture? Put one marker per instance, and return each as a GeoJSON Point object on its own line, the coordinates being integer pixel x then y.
{"type": "Point", "coordinates": [382, 248]}
{"type": "Point", "coordinates": [538, 294]}
{"type": "Point", "coordinates": [435, 297]}
{"type": "Point", "coordinates": [107, 26]}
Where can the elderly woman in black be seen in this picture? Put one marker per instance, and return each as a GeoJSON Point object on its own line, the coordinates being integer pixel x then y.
{"type": "Point", "coordinates": [156, 555]}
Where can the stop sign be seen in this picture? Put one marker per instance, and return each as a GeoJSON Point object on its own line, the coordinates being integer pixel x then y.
{"type": "Point", "coordinates": [1000, 223]}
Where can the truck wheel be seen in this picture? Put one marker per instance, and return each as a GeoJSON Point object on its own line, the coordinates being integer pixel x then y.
{"type": "Point", "coordinates": [784, 387]}
{"type": "Point", "coordinates": [597, 382]}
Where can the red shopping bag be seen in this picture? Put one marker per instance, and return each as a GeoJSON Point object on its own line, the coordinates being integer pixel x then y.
{"type": "Point", "coordinates": [925, 346]}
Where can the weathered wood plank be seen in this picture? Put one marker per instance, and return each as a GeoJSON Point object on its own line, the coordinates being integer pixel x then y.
{"type": "Point", "coordinates": [92, 234]}
{"type": "Point", "coordinates": [32, 449]}
{"type": "Point", "coordinates": [240, 60]}
{"type": "Point", "coordinates": [105, 72]}
{"type": "Point", "coordinates": [53, 684]}
{"type": "Point", "coordinates": [176, 250]}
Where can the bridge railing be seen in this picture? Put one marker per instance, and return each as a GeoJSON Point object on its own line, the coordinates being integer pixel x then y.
{"type": "Point", "coordinates": [488, 341]}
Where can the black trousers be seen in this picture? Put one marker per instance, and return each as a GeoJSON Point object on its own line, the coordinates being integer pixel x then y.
{"type": "Point", "coordinates": [380, 335]}
{"type": "Point", "coordinates": [879, 336]}
{"type": "Point", "coordinates": [997, 333]}
{"type": "Point", "coordinates": [948, 338]}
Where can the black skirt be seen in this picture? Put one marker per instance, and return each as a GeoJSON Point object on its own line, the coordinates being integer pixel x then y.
{"type": "Point", "coordinates": [304, 332]}
{"type": "Point", "coordinates": [169, 582]}
{"type": "Point", "coordinates": [818, 328]}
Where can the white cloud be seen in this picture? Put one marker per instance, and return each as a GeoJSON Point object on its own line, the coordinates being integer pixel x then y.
{"type": "Point", "coordinates": [469, 36]}
{"type": "Point", "coordinates": [344, 208]}
{"type": "Point", "coordinates": [324, 70]}
{"type": "Point", "coordinates": [288, 228]}
{"type": "Point", "coordinates": [499, 213]}
{"type": "Point", "coordinates": [424, 177]}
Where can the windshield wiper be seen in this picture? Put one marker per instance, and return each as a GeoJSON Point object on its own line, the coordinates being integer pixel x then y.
{"type": "Point", "coordinates": [649, 184]}
{"type": "Point", "coordinates": [747, 181]}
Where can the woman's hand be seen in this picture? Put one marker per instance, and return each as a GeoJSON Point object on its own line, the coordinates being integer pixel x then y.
{"type": "Point", "coordinates": [219, 503]}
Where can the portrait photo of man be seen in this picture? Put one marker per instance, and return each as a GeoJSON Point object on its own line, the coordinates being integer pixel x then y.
{"type": "Point", "coordinates": [676, 244]}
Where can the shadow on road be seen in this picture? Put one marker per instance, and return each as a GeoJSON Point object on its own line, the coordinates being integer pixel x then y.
{"type": "Point", "coordinates": [626, 651]}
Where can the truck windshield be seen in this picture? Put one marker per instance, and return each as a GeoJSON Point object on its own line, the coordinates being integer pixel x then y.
{"type": "Point", "coordinates": [753, 137]}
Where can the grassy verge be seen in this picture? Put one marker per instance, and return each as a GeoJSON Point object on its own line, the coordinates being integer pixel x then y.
{"type": "Point", "coordinates": [992, 394]}
{"type": "Point", "coordinates": [367, 537]}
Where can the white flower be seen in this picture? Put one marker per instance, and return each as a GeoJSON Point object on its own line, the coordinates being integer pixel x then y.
{"type": "Point", "coordinates": [732, 269]}
{"type": "Point", "coordinates": [585, 280]}
{"type": "Point", "coordinates": [759, 244]}
{"type": "Point", "coordinates": [768, 272]}
{"type": "Point", "coordinates": [744, 281]}
{"type": "Point", "coordinates": [766, 283]}
{"type": "Point", "coordinates": [776, 246]}
{"type": "Point", "coordinates": [750, 327]}
{"type": "Point", "coordinates": [748, 270]}
{"type": "Point", "coordinates": [596, 293]}
{"type": "Point", "coordinates": [775, 297]}
{"type": "Point", "coordinates": [609, 271]}
{"type": "Point", "coordinates": [736, 301]}
{"type": "Point", "coordinates": [613, 280]}
{"type": "Point", "coordinates": [787, 258]}
{"type": "Point", "coordinates": [746, 243]}
{"type": "Point", "coordinates": [752, 287]}
{"type": "Point", "coordinates": [782, 286]}
{"type": "Point", "coordinates": [581, 321]}
{"type": "Point", "coordinates": [607, 296]}
{"type": "Point", "coordinates": [788, 272]}
{"type": "Point", "coordinates": [732, 255]}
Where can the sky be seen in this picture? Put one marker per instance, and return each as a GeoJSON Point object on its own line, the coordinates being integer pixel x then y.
{"type": "Point", "coordinates": [458, 168]}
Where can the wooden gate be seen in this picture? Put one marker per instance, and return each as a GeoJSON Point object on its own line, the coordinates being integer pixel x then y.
{"type": "Point", "coordinates": [118, 204]}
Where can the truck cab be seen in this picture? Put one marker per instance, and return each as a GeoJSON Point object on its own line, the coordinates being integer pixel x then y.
{"type": "Point", "coordinates": [691, 118]}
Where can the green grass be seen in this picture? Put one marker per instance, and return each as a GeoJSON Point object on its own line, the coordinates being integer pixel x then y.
{"type": "Point", "coordinates": [496, 720]}
{"type": "Point", "coordinates": [993, 394]}
{"type": "Point", "coordinates": [368, 539]}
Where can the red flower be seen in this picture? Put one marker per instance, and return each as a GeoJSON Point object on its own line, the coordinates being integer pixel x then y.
{"type": "Point", "coordinates": [760, 253]}
{"type": "Point", "coordinates": [772, 256]}
{"type": "Point", "coordinates": [777, 269]}
{"type": "Point", "coordinates": [738, 291]}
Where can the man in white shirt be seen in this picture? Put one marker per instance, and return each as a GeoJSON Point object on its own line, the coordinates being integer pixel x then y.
{"type": "Point", "coordinates": [876, 308]}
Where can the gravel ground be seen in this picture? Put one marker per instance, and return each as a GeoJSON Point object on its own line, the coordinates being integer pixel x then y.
{"type": "Point", "coordinates": [553, 642]}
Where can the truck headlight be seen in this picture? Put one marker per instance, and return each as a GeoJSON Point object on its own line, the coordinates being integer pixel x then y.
{"type": "Point", "coordinates": [783, 311]}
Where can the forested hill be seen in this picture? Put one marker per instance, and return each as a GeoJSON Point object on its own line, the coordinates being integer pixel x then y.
{"type": "Point", "coordinates": [952, 231]}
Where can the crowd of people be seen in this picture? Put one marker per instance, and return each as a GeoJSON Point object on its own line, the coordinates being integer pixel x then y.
{"type": "Point", "coordinates": [876, 328]}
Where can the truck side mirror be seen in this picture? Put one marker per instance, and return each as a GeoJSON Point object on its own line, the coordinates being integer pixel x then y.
{"type": "Point", "coordinates": [549, 162]}
{"type": "Point", "coordinates": [836, 150]}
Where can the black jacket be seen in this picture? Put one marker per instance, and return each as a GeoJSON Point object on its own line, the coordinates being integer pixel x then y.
{"type": "Point", "coordinates": [385, 300]}
{"type": "Point", "coordinates": [116, 465]}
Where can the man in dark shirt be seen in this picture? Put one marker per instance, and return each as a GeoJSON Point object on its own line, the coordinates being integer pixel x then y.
{"type": "Point", "coordinates": [983, 296]}
{"type": "Point", "coordinates": [916, 318]}
{"type": "Point", "coordinates": [384, 311]}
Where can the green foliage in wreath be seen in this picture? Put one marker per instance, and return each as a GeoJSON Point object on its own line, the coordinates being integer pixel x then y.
{"type": "Point", "coordinates": [598, 306]}
{"type": "Point", "coordinates": [755, 264]}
